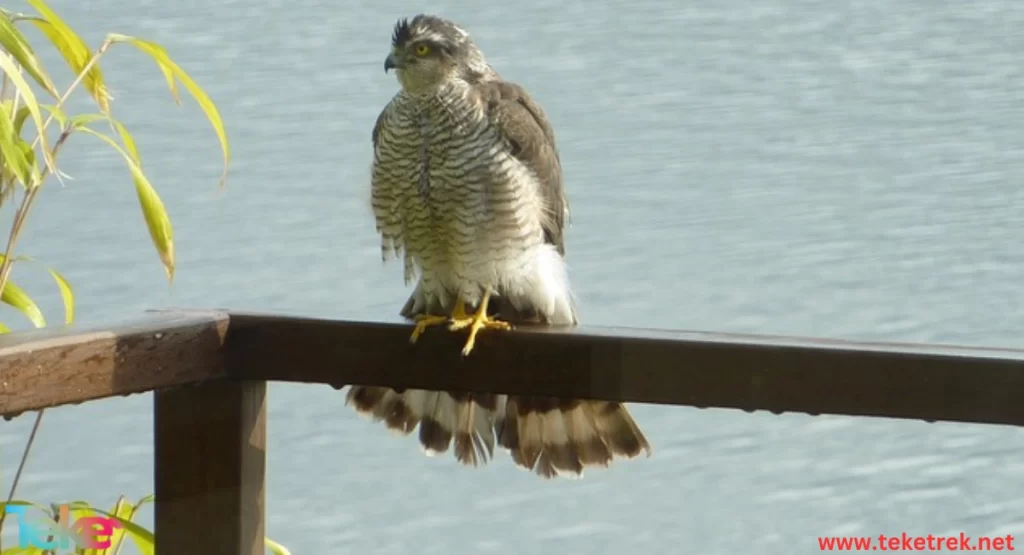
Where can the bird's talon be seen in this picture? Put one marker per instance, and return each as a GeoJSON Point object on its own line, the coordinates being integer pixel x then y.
{"type": "Point", "coordinates": [476, 324]}
{"type": "Point", "coordinates": [424, 321]}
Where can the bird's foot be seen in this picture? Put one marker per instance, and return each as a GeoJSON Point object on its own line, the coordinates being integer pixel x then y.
{"type": "Point", "coordinates": [475, 323]}
{"type": "Point", "coordinates": [424, 321]}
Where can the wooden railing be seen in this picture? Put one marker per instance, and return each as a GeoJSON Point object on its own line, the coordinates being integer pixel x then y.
{"type": "Point", "coordinates": [208, 371]}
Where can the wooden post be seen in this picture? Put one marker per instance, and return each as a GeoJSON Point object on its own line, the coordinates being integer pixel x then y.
{"type": "Point", "coordinates": [210, 464]}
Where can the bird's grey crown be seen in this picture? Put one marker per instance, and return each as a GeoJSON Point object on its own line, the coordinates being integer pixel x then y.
{"type": "Point", "coordinates": [448, 37]}
{"type": "Point", "coordinates": [437, 28]}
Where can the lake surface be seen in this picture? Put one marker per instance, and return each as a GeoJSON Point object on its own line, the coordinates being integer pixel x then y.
{"type": "Point", "coordinates": [843, 169]}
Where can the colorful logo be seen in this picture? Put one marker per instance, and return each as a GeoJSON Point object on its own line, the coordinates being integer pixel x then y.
{"type": "Point", "coordinates": [45, 533]}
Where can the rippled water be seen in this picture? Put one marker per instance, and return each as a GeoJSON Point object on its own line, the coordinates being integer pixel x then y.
{"type": "Point", "coordinates": [845, 169]}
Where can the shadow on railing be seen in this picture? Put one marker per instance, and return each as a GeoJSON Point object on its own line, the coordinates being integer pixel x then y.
{"type": "Point", "coordinates": [209, 370]}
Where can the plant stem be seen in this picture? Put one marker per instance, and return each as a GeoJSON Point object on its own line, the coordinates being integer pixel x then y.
{"type": "Point", "coordinates": [30, 194]}
{"type": "Point", "coordinates": [21, 466]}
{"type": "Point", "coordinates": [24, 458]}
{"type": "Point", "coordinates": [74, 84]}
{"type": "Point", "coordinates": [21, 214]}
{"type": "Point", "coordinates": [19, 222]}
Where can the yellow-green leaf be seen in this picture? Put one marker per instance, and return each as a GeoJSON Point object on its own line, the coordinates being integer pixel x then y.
{"type": "Point", "coordinates": [143, 539]}
{"type": "Point", "coordinates": [4, 328]}
{"type": "Point", "coordinates": [74, 50]}
{"type": "Point", "coordinates": [19, 118]}
{"type": "Point", "coordinates": [19, 47]}
{"type": "Point", "coordinates": [157, 220]}
{"type": "Point", "coordinates": [23, 551]}
{"type": "Point", "coordinates": [172, 71]}
{"type": "Point", "coordinates": [29, 97]}
{"type": "Point", "coordinates": [66, 294]}
{"type": "Point", "coordinates": [19, 299]}
{"type": "Point", "coordinates": [276, 548]}
{"type": "Point", "coordinates": [14, 158]}
{"type": "Point", "coordinates": [56, 113]}
{"type": "Point", "coordinates": [122, 509]}
{"type": "Point", "coordinates": [82, 120]}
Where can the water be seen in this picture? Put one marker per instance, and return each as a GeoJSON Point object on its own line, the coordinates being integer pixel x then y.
{"type": "Point", "coordinates": [846, 170]}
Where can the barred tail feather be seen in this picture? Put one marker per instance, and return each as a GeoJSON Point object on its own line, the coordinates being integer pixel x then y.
{"type": "Point", "coordinates": [555, 437]}
{"type": "Point", "coordinates": [441, 416]}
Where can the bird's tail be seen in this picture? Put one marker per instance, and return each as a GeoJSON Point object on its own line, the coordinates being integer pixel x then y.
{"type": "Point", "coordinates": [442, 417]}
{"type": "Point", "coordinates": [547, 435]}
{"type": "Point", "coordinates": [561, 437]}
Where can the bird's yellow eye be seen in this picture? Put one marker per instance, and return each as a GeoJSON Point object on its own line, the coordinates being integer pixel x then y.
{"type": "Point", "coordinates": [422, 50]}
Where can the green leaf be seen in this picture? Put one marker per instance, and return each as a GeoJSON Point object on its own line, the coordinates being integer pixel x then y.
{"type": "Point", "coordinates": [56, 113]}
{"type": "Point", "coordinates": [74, 50]}
{"type": "Point", "coordinates": [19, 47]}
{"type": "Point", "coordinates": [276, 548]}
{"type": "Point", "coordinates": [29, 97]}
{"type": "Point", "coordinates": [4, 328]}
{"type": "Point", "coordinates": [23, 551]}
{"type": "Point", "coordinates": [83, 120]}
{"type": "Point", "coordinates": [171, 71]}
{"type": "Point", "coordinates": [157, 220]}
{"type": "Point", "coordinates": [19, 299]}
{"type": "Point", "coordinates": [21, 502]}
{"type": "Point", "coordinates": [142, 538]}
{"type": "Point", "coordinates": [66, 294]}
{"type": "Point", "coordinates": [125, 510]}
{"type": "Point", "coordinates": [14, 157]}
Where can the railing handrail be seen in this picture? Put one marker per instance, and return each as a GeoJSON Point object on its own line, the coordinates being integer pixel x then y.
{"type": "Point", "coordinates": [209, 371]}
{"type": "Point", "coordinates": [170, 348]}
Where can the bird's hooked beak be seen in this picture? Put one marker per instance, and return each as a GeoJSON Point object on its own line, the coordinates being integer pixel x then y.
{"type": "Point", "coordinates": [391, 62]}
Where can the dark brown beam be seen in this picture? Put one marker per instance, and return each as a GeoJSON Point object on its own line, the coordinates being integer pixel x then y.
{"type": "Point", "coordinates": [777, 374]}
{"type": "Point", "coordinates": [46, 368]}
{"type": "Point", "coordinates": [210, 466]}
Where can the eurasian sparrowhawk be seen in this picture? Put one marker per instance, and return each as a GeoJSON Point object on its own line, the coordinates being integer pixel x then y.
{"type": "Point", "coordinates": [467, 187]}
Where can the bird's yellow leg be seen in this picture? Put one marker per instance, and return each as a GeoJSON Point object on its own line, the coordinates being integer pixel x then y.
{"type": "Point", "coordinates": [424, 321]}
{"type": "Point", "coordinates": [476, 322]}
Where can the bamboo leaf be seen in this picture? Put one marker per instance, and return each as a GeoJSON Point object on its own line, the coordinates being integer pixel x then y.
{"type": "Point", "coordinates": [82, 120]}
{"type": "Point", "coordinates": [276, 548]}
{"type": "Point", "coordinates": [142, 538]}
{"type": "Point", "coordinates": [122, 509]}
{"type": "Point", "coordinates": [19, 118]}
{"type": "Point", "coordinates": [23, 551]}
{"type": "Point", "coordinates": [79, 509]}
{"type": "Point", "coordinates": [66, 294]}
{"type": "Point", "coordinates": [74, 50]}
{"type": "Point", "coordinates": [14, 157]}
{"type": "Point", "coordinates": [16, 297]}
{"type": "Point", "coordinates": [157, 220]}
{"type": "Point", "coordinates": [29, 98]}
{"type": "Point", "coordinates": [21, 502]}
{"type": "Point", "coordinates": [171, 72]}
{"type": "Point", "coordinates": [57, 113]}
{"type": "Point", "coordinates": [18, 46]}
{"type": "Point", "coordinates": [23, 113]}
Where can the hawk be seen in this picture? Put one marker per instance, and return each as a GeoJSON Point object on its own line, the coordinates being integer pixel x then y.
{"type": "Point", "coordinates": [466, 186]}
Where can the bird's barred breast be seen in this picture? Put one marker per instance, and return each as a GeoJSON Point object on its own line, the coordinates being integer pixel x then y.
{"type": "Point", "coordinates": [448, 192]}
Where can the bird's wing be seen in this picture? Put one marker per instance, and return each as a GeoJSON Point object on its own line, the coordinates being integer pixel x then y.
{"type": "Point", "coordinates": [532, 140]}
{"type": "Point", "coordinates": [383, 200]}
{"type": "Point", "coordinates": [378, 123]}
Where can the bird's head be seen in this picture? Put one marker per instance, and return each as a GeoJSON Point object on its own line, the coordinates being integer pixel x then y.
{"type": "Point", "coordinates": [427, 52]}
